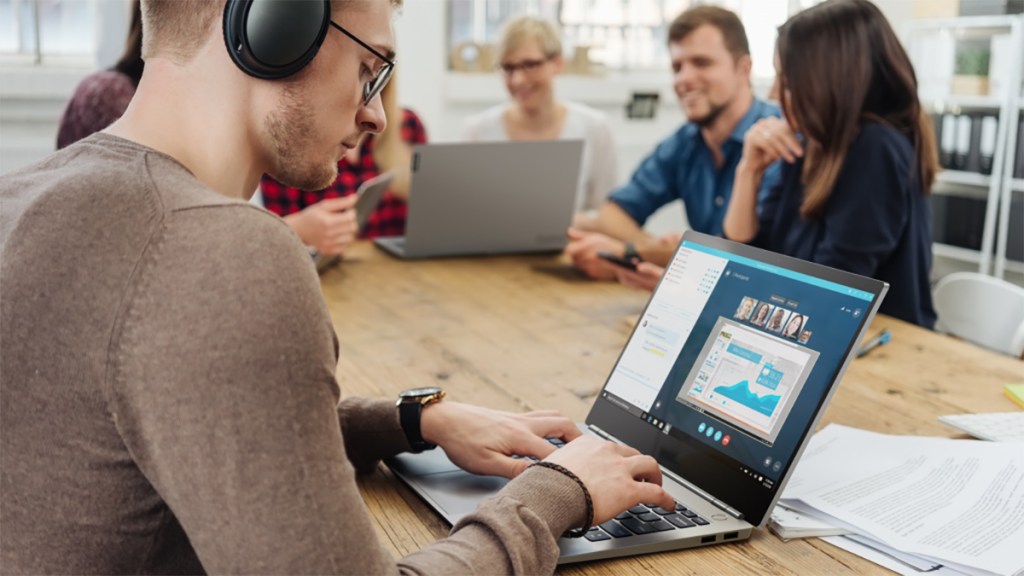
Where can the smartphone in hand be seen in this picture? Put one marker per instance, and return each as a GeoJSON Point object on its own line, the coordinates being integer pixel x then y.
{"type": "Point", "coordinates": [369, 195]}
{"type": "Point", "coordinates": [617, 260]}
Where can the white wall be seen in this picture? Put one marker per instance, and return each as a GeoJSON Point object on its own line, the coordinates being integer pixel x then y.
{"type": "Point", "coordinates": [32, 97]}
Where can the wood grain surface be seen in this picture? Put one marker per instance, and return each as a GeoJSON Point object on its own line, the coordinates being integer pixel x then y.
{"type": "Point", "coordinates": [528, 332]}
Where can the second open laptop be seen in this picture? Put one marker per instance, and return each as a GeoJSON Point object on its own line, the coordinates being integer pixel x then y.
{"type": "Point", "coordinates": [489, 198]}
{"type": "Point", "coordinates": [723, 380]}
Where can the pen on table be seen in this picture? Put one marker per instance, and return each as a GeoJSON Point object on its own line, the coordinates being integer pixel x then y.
{"type": "Point", "coordinates": [883, 337]}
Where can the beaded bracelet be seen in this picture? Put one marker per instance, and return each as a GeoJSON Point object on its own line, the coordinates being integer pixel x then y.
{"type": "Point", "coordinates": [575, 532]}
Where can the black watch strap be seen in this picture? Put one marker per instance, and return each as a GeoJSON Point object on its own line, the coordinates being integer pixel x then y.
{"type": "Point", "coordinates": [629, 253]}
{"type": "Point", "coordinates": [409, 415]}
{"type": "Point", "coordinates": [411, 403]}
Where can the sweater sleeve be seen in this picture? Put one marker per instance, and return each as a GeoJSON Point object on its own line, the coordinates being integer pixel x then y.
{"type": "Point", "coordinates": [866, 214]}
{"type": "Point", "coordinates": [222, 387]}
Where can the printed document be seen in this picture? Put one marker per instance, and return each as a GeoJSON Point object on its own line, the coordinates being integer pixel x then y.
{"type": "Point", "coordinates": [960, 502]}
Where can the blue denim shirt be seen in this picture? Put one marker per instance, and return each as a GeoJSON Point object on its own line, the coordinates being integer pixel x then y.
{"type": "Point", "coordinates": [682, 167]}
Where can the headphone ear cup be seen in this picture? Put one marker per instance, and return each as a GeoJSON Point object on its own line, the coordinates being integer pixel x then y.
{"type": "Point", "coordinates": [273, 39]}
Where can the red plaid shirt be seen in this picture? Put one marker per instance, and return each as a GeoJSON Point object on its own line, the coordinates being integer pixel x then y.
{"type": "Point", "coordinates": [387, 220]}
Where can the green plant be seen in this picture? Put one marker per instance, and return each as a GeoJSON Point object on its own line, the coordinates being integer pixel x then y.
{"type": "Point", "coordinates": [972, 61]}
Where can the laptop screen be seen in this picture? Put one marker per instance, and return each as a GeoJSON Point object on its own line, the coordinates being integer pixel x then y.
{"type": "Point", "coordinates": [730, 364]}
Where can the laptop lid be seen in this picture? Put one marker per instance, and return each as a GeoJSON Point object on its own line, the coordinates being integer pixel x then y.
{"type": "Point", "coordinates": [730, 367]}
{"type": "Point", "coordinates": [491, 197]}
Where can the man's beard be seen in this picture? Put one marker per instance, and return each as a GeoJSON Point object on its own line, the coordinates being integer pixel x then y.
{"type": "Point", "coordinates": [287, 130]}
{"type": "Point", "coordinates": [713, 114]}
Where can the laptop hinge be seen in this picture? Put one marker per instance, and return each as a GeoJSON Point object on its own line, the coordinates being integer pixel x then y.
{"type": "Point", "coordinates": [687, 484]}
{"type": "Point", "coordinates": [691, 487]}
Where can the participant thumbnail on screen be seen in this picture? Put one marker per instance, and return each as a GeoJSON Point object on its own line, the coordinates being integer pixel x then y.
{"type": "Point", "coordinates": [777, 320]}
{"type": "Point", "coordinates": [745, 309]}
{"type": "Point", "coordinates": [761, 315]}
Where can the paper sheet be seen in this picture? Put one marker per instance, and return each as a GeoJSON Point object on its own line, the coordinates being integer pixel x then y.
{"type": "Point", "coordinates": [959, 501]}
{"type": "Point", "coordinates": [886, 560]}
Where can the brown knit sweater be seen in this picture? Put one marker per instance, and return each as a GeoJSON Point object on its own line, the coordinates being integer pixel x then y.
{"type": "Point", "coordinates": [167, 393]}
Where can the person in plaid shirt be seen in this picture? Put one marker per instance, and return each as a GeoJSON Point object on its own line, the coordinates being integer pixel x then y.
{"type": "Point", "coordinates": [323, 219]}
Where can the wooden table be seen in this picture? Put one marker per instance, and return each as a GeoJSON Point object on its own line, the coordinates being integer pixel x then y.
{"type": "Point", "coordinates": [527, 332]}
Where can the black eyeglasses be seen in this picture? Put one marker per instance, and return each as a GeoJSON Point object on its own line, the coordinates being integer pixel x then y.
{"type": "Point", "coordinates": [383, 74]}
{"type": "Point", "coordinates": [526, 66]}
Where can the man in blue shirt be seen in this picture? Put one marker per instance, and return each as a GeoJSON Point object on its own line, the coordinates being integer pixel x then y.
{"type": "Point", "coordinates": [711, 76]}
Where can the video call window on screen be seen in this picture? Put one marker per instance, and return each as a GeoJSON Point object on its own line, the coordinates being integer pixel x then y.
{"type": "Point", "coordinates": [748, 378]}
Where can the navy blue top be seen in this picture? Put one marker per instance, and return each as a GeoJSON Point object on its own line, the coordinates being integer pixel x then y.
{"type": "Point", "coordinates": [876, 222]}
{"type": "Point", "coordinates": [682, 168]}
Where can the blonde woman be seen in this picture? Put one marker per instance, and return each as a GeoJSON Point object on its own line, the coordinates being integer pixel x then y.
{"type": "Point", "coordinates": [323, 219]}
{"type": "Point", "coordinates": [530, 55]}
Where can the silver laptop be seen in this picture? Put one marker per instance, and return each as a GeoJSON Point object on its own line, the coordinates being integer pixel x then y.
{"type": "Point", "coordinates": [489, 198]}
{"type": "Point", "coordinates": [722, 381]}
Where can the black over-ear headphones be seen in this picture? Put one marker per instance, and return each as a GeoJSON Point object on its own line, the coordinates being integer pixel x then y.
{"type": "Point", "coordinates": [273, 39]}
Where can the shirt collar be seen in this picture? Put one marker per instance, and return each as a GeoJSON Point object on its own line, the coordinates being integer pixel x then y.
{"type": "Point", "coordinates": [758, 109]}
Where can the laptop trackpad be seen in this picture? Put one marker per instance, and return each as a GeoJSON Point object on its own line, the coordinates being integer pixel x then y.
{"type": "Point", "coordinates": [458, 493]}
{"type": "Point", "coordinates": [453, 491]}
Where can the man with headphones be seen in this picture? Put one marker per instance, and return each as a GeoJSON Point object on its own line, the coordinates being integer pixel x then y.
{"type": "Point", "coordinates": [168, 395]}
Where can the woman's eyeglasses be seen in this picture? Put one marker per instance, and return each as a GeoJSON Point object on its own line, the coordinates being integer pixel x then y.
{"type": "Point", "coordinates": [525, 66]}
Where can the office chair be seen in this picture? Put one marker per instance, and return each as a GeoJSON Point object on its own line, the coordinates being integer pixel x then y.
{"type": "Point", "coordinates": [981, 309]}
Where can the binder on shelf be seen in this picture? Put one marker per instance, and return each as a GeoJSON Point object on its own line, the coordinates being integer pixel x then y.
{"type": "Point", "coordinates": [1015, 232]}
{"type": "Point", "coordinates": [958, 221]}
{"type": "Point", "coordinates": [947, 141]}
{"type": "Point", "coordinates": [987, 143]}
{"type": "Point", "coordinates": [962, 147]}
{"type": "Point", "coordinates": [936, 119]}
{"type": "Point", "coordinates": [973, 163]}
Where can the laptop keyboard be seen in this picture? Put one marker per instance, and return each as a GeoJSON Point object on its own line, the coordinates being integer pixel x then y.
{"type": "Point", "coordinates": [642, 519]}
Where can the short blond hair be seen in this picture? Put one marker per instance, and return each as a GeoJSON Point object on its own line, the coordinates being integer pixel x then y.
{"type": "Point", "coordinates": [178, 28]}
{"type": "Point", "coordinates": [526, 28]}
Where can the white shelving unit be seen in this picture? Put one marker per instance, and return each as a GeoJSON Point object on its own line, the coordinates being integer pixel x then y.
{"type": "Point", "coordinates": [999, 188]}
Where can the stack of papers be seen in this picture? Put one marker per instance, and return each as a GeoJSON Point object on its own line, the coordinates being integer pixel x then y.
{"type": "Point", "coordinates": [915, 504]}
{"type": "Point", "coordinates": [788, 524]}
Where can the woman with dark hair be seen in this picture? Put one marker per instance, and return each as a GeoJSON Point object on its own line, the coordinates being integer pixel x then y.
{"type": "Point", "coordinates": [859, 151]}
{"type": "Point", "coordinates": [102, 97]}
{"type": "Point", "coordinates": [793, 327]}
{"type": "Point", "coordinates": [761, 316]}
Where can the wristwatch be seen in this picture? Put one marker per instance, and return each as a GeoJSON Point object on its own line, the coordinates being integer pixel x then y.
{"type": "Point", "coordinates": [410, 407]}
{"type": "Point", "coordinates": [629, 253]}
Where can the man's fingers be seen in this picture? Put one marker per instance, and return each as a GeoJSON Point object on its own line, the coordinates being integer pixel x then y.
{"type": "Point", "coordinates": [643, 467]}
{"type": "Point", "coordinates": [649, 270]}
{"type": "Point", "coordinates": [575, 233]}
{"type": "Point", "coordinates": [553, 426]}
{"type": "Point", "coordinates": [542, 414]}
{"type": "Point", "coordinates": [535, 447]}
{"type": "Point", "coordinates": [498, 464]}
{"type": "Point", "coordinates": [338, 204]}
{"type": "Point", "coordinates": [648, 493]}
{"type": "Point", "coordinates": [517, 466]}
